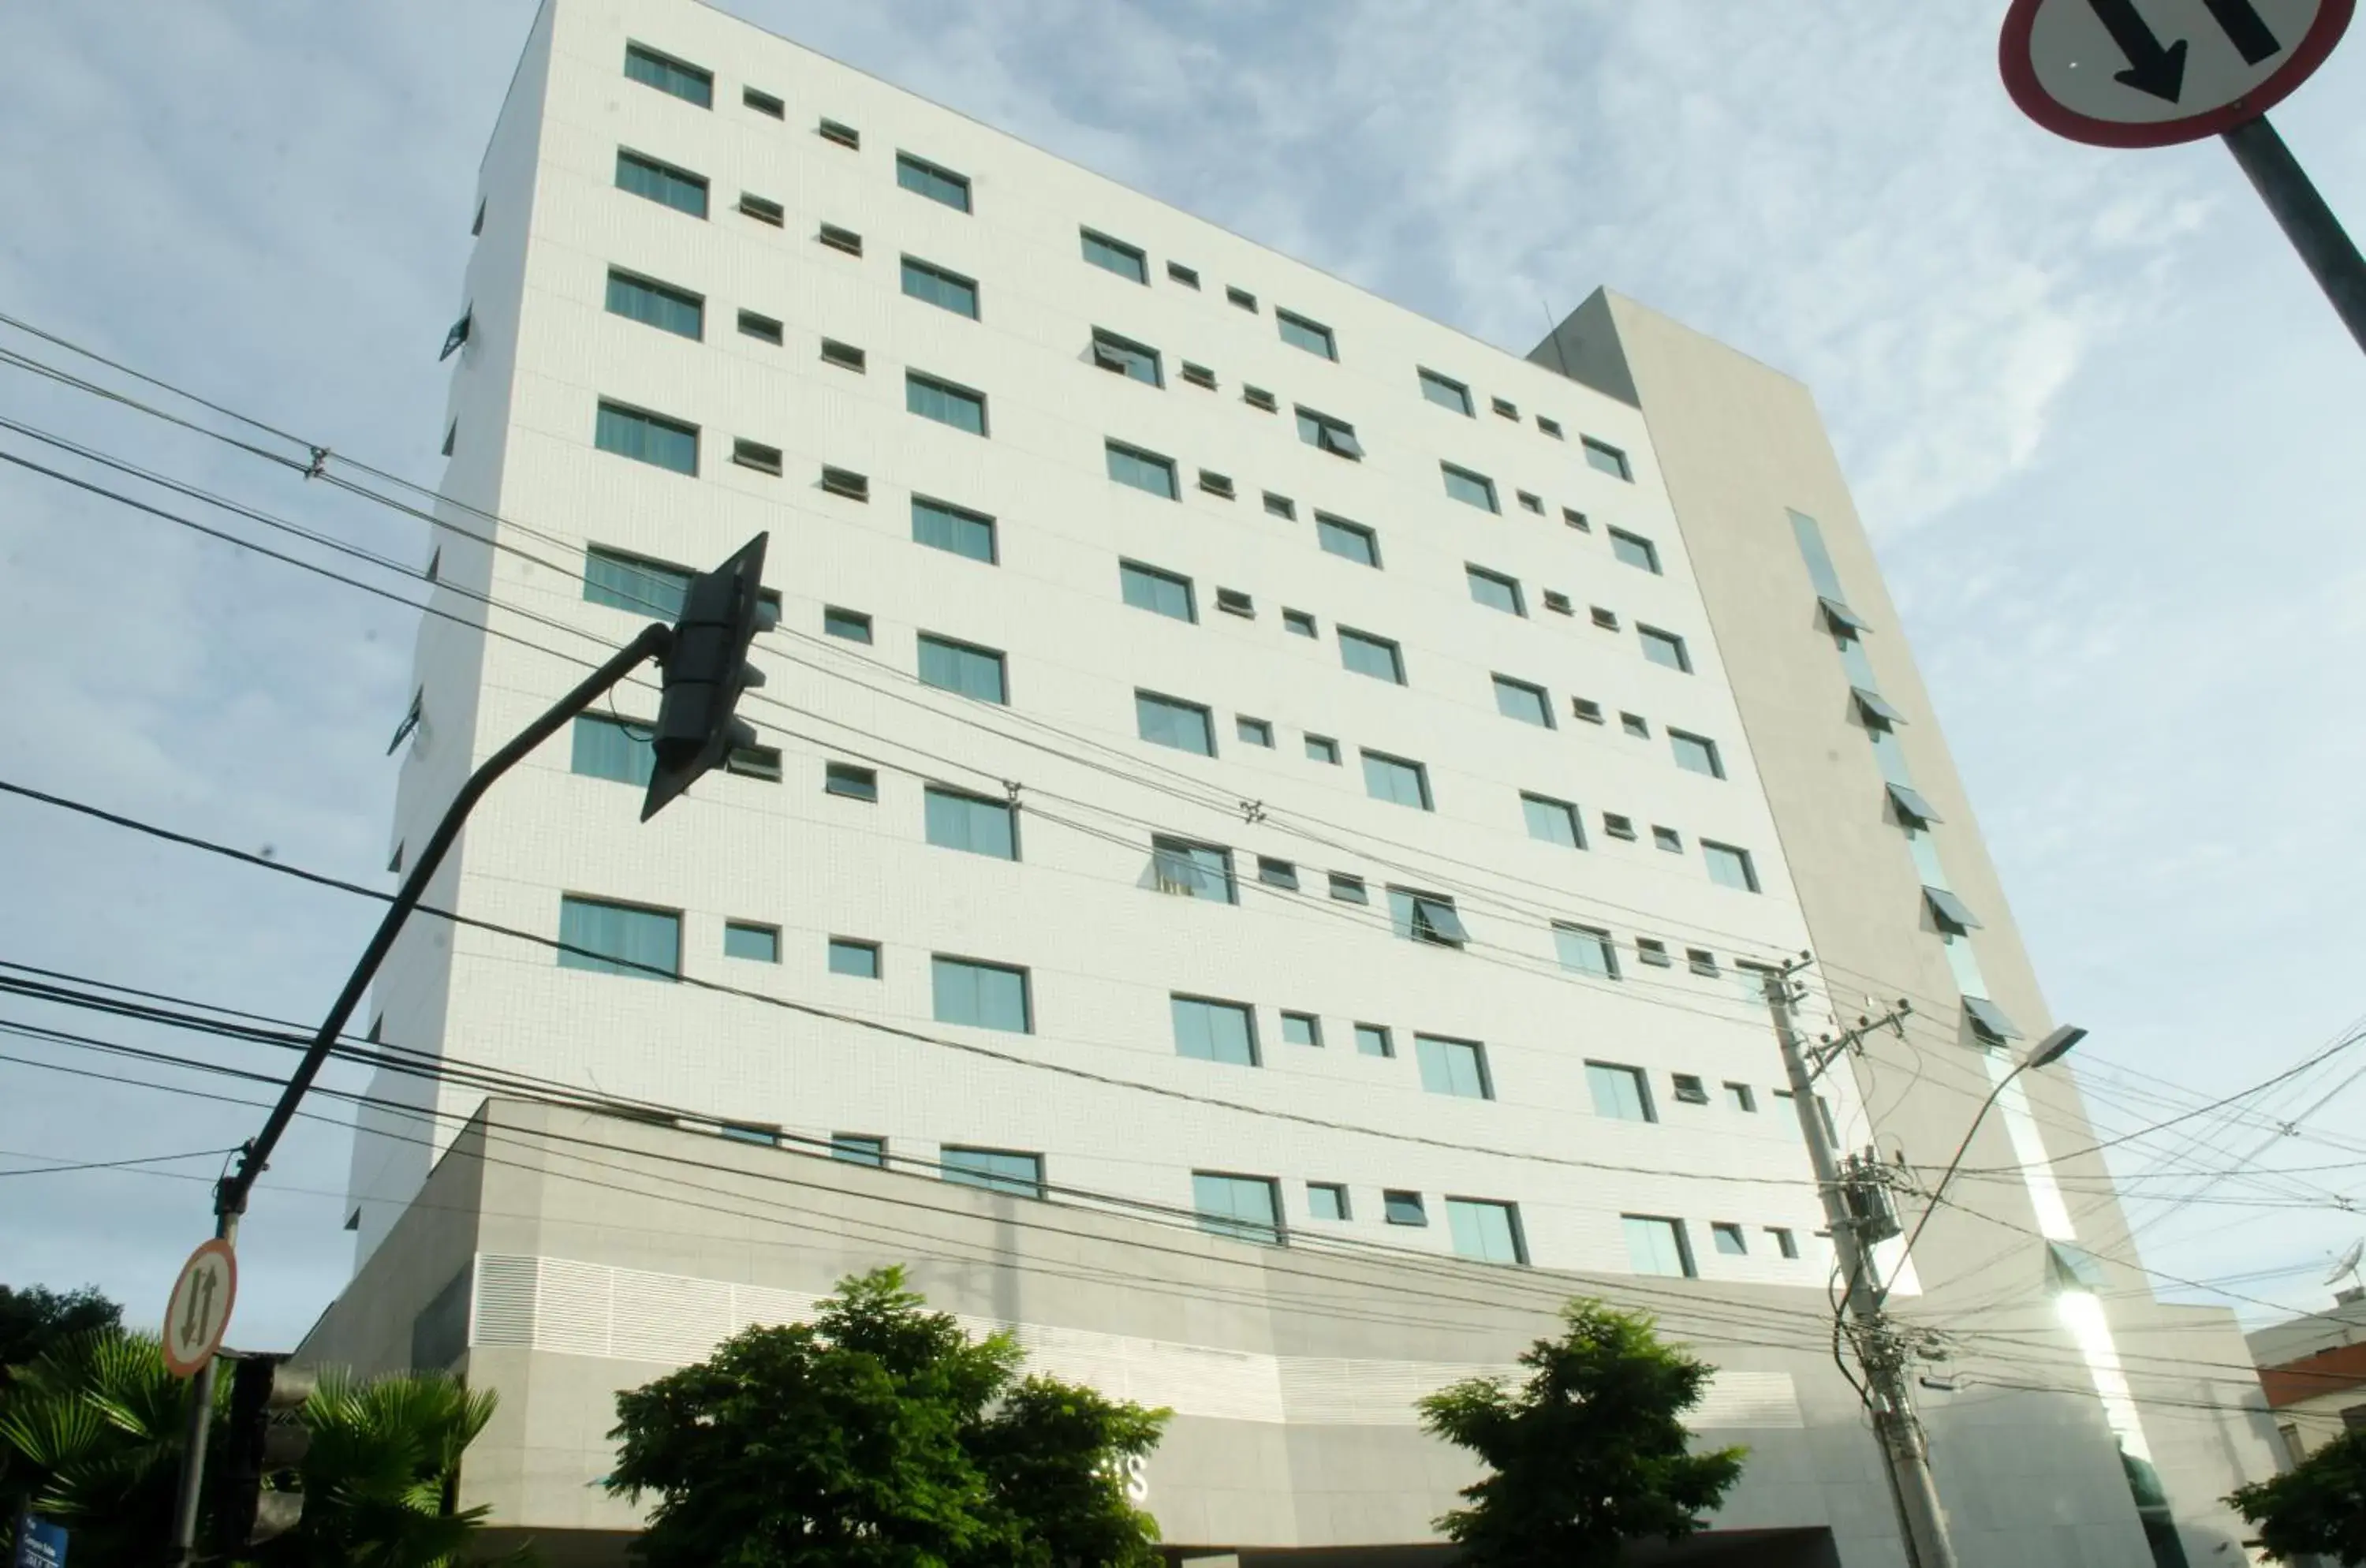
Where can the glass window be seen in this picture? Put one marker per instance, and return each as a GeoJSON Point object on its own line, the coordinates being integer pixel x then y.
{"type": "Point", "coordinates": [1300, 1029]}
{"type": "Point", "coordinates": [1619, 1093]}
{"type": "Point", "coordinates": [1667, 839]}
{"type": "Point", "coordinates": [1336, 436]}
{"type": "Point", "coordinates": [1397, 780]}
{"type": "Point", "coordinates": [1402, 1208]}
{"type": "Point", "coordinates": [1372, 1040]}
{"type": "Point", "coordinates": [647, 438]}
{"type": "Point", "coordinates": [759, 326]}
{"type": "Point", "coordinates": [1237, 295]}
{"type": "Point", "coordinates": [1552, 822]}
{"type": "Point", "coordinates": [961, 667]}
{"type": "Point", "coordinates": [1445, 391]}
{"type": "Point", "coordinates": [1137, 360]}
{"type": "Point", "coordinates": [1348, 889]}
{"type": "Point", "coordinates": [610, 748]}
{"type": "Point", "coordinates": [1426, 917]}
{"type": "Point", "coordinates": [1187, 276]}
{"type": "Point", "coordinates": [619, 939]}
{"type": "Point", "coordinates": [1531, 501]}
{"type": "Point", "coordinates": [839, 131]}
{"type": "Point", "coordinates": [1352, 541]}
{"type": "Point", "coordinates": [1517, 699]}
{"type": "Point", "coordinates": [956, 821]}
{"type": "Point", "coordinates": [1165, 721]}
{"type": "Point", "coordinates": [1322, 749]}
{"type": "Point", "coordinates": [1247, 1208]}
{"type": "Point", "coordinates": [937, 184]}
{"type": "Point", "coordinates": [1471, 488]}
{"type": "Point", "coordinates": [1115, 256]}
{"type": "Point", "coordinates": [1453, 1067]}
{"type": "Point", "coordinates": [953, 528]}
{"type": "Point", "coordinates": [1160, 593]}
{"type": "Point", "coordinates": [944, 403]}
{"type": "Point", "coordinates": [1550, 427]}
{"type": "Point", "coordinates": [946, 290]}
{"type": "Point", "coordinates": [1664, 647]}
{"type": "Point", "coordinates": [1635, 549]}
{"type": "Point", "coordinates": [661, 182]}
{"type": "Point", "coordinates": [997, 1170]}
{"type": "Point", "coordinates": [1299, 623]}
{"type": "Point", "coordinates": [764, 103]}
{"type": "Point", "coordinates": [1586, 950]}
{"type": "Point", "coordinates": [744, 939]}
{"type": "Point", "coordinates": [1192, 870]}
{"type": "Point", "coordinates": [845, 355]}
{"type": "Point", "coordinates": [1729, 1238]}
{"type": "Point", "coordinates": [1697, 753]}
{"type": "Point", "coordinates": [1281, 506]}
{"type": "Point", "coordinates": [985, 996]}
{"type": "Point", "coordinates": [1279, 874]}
{"type": "Point", "coordinates": [1142, 470]}
{"type": "Point", "coordinates": [1635, 725]}
{"type": "Point", "coordinates": [1369, 655]}
{"type": "Point", "coordinates": [1495, 590]}
{"type": "Point", "coordinates": [1256, 731]}
{"type": "Point", "coordinates": [851, 625]}
{"type": "Point", "coordinates": [1215, 1032]}
{"type": "Point", "coordinates": [858, 960]}
{"type": "Point", "coordinates": [1785, 1242]}
{"type": "Point", "coordinates": [858, 1148]}
{"type": "Point", "coordinates": [1608, 458]}
{"type": "Point", "coordinates": [1300, 333]}
{"type": "Point", "coordinates": [1656, 1246]}
{"type": "Point", "coordinates": [1730, 867]}
{"type": "Point", "coordinates": [853, 782]}
{"type": "Point", "coordinates": [685, 82]}
{"type": "Point", "coordinates": [1326, 1200]}
{"type": "Point", "coordinates": [1651, 950]}
{"type": "Point", "coordinates": [676, 311]}
{"type": "Point", "coordinates": [1486, 1231]}
{"type": "Point", "coordinates": [1741, 1097]}
{"type": "Point", "coordinates": [764, 209]}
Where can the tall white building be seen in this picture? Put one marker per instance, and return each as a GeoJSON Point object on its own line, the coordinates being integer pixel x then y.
{"type": "Point", "coordinates": [1243, 763]}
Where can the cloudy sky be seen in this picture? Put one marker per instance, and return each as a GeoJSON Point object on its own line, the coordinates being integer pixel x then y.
{"type": "Point", "coordinates": [2094, 410]}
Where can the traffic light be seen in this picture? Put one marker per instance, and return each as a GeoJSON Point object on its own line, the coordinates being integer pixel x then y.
{"type": "Point", "coordinates": [705, 671]}
{"type": "Point", "coordinates": [267, 1437]}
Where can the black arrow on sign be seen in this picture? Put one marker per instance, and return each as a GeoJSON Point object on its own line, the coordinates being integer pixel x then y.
{"type": "Point", "coordinates": [2245, 28]}
{"type": "Point", "coordinates": [2151, 68]}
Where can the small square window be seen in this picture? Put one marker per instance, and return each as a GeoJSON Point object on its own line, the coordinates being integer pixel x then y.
{"type": "Point", "coordinates": [1620, 1092]}
{"type": "Point", "coordinates": [1505, 407]}
{"type": "Point", "coordinates": [1349, 541]}
{"type": "Point", "coordinates": [1665, 648]}
{"type": "Point", "coordinates": [1495, 590]}
{"type": "Point", "coordinates": [1558, 601]}
{"type": "Point", "coordinates": [1608, 458]}
{"type": "Point", "coordinates": [1618, 827]}
{"type": "Point", "coordinates": [756, 455]}
{"type": "Point", "coordinates": [1729, 1238]}
{"type": "Point", "coordinates": [1658, 1246]}
{"type": "Point", "coordinates": [1445, 391]}
{"type": "Point", "coordinates": [1697, 753]}
{"type": "Point", "coordinates": [1299, 331]}
{"type": "Point", "coordinates": [839, 238]}
{"type": "Point", "coordinates": [1428, 917]}
{"type": "Point", "coordinates": [1730, 867]}
{"type": "Point", "coordinates": [754, 763]}
{"type": "Point", "coordinates": [743, 938]}
{"type": "Point", "coordinates": [856, 960]}
{"type": "Point", "coordinates": [852, 782]}
{"type": "Point", "coordinates": [1258, 398]}
{"type": "Point", "coordinates": [1585, 949]}
{"type": "Point", "coordinates": [1689, 1090]}
{"type": "Point", "coordinates": [1348, 889]}
{"type": "Point", "coordinates": [1785, 1242]}
{"type": "Point", "coordinates": [1741, 1097]}
{"type": "Point", "coordinates": [851, 625]}
{"type": "Point", "coordinates": [1326, 1200]}
{"type": "Point", "coordinates": [764, 103]}
{"type": "Point", "coordinates": [1241, 297]}
{"type": "Point", "coordinates": [835, 131]}
{"type": "Point", "coordinates": [762, 328]}
{"type": "Point", "coordinates": [1551, 821]}
{"type": "Point", "coordinates": [1549, 426]}
{"type": "Point", "coordinates": [1701, 961]}
{"type": "Point", "coordinates": [1668, 839]}
{"type": "Point", "coordinates": [1279, 874]}
{"type": "Point", "coordinates": [1653, 952]}
{"type": "Point", "coordinates": [1322, 749]}
{"type": "Point", "coordinates": [1300, 1029]}
{"type": "Point", "coordinates": [451, 437]}
{"type": "Point", "coordinates": [1470, 487]}
{"type": "Point", "coordinates": [845, 482]}
{"type": "Point", "coordinates": [763, 209]}
{"type": "Point", "coordinates": [1523, 700]}
{"type": "Point", "coordinates": [1635, 725]}
{"type": "Point", "coordinates": [1198, 375]}
{"type": "Point", "coordinates": [1606, 619]}
{"type": "Point", "coordinates": [1635, 551]}
{"type": "Point", "coordinates": [1216, 484]}
{"type": "Point", "coordinates": [1576, 519]}
{"type": "Point", "coordinates": [1336, 436]}
{"type": "Point", "coordinates": [1254, 731]}
{"type": "Point", "coordinates": [845, 355]}
{"type": "Point", "coordinates": [1299, 624]}
{"type": "Point", "coordinates": [858, 1148]}
{"type": "Point", "coordinates": [1182, 869]}
{"type": "Point", "coordinates": [1531, 502]}
{"type": "Point", "coordinates": [1233, 602]}
{"type": "Point", "coordinates": [1587, 708]}
{"type": "Point", "coordinates": [1404, 1208]}
{"type": "Point", "coordinates": [1281, 506]}
{"type": "Point", "coordinates": [1183, 274]}
{"type": "Point", "coordinates": [1373, 1040]}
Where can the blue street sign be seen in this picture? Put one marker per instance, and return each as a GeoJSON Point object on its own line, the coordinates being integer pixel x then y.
{"type": "Point", "coordinates": [39, 1543]}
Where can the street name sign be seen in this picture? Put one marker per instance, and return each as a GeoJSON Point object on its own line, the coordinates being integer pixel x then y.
{"type": "Point", "coordinates": [198, 1311]}
{"type": "Point", "coordinates": [2150, 72]}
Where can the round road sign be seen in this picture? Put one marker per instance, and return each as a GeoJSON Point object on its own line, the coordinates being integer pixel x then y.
{"type": "Point", "coordinates": [198, 1311]}
{"type": "Point", "coordinates": [2149, 72]}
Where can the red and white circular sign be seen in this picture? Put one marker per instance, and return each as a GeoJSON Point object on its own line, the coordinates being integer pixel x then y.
{"type": "Point", "coordinates": [197, 1314]}
{"type": "Point", "coordinates": [2149, 72]}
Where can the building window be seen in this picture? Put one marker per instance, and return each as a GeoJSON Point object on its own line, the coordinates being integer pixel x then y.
{"type": "Point", "coordinates": [1785, 1242]}
{"type": "Point", "coordinates": [1247, 1208]}
{"type": "Point", "coordinates": [1397, 780]}
{"type": "Point", "coordinates": [855, 958]}
{"type": "Point", "coordinates": [1254, 731]}
{"type": "Point", "coordinates": [1167, 721]}
{"type": "Point", "coordinates": [1445, 391]}
{"type": "Point", "coordinates": [619, 939]}
{"type": "Point", "coordinates": [1350, 541]}
{"type": "Point", "coordinates": [1576, 519]}
{"type": "Point", "coordinates": [1259, 399]}
{"type": "Point", "coordinates": [946, 290]}
{"type": "Point", "coordinates": [851, 625]}
{"type": "Point", "coordinates": [1664, 647]}
{"type": "Point", "coordinates": [667, 75]}
{"type": "Point", "coordinates": [1297, 623]}
{"type": "Point", "coordinates": [1620, 1093]}
{"type": "Point", "coordinates": [1190, 870]}
{"type": "Point", "coordinates": [1585, 950]}
{"type": "Point", "coordinates": [1635, 551]}
{"type": "Point", "coordinates": [1453, 1067]}
{"type": "Point", "coordinates": [1697, 753]}
{"type": "Point", "coordinates": [953, 529]}
{"type": "Point", "coordinates": [1160, 593]}
{"type": "Point", "coordinates": [1281, 506]}
{"type": "Point", "coordinates": [1531, 501]}
{"type": "Point", "coordinates": [1336, 436]}
{"type": "Point", "coordinates": [1651, 950]}
{"type": "Point", "coordinates": [1608, 458]}
{"type": "Point", "coordinates": [1657, 1245]}
{"type": "Point", "coordinates": [1506, 408]}
{"type": "Point", "coordinates": [1552, 822]}
{"type": "Point", "coordinates": [1187, 276]}
{"type": "Point", "coordinates": [764, 103]}
{"type": "Point", "coordinates": [1300, 1029]}
{"type": "Point", "coordinates": [1550, 427]}
{"type": "Point", "coordinates": [962, 667]}
{"type": "Point", "coordinates": [764, 329]}
{"type": "Point", "coordinates": [1198, 375]}
{"type": "Point", "coordinates": [1300, 333]}
{"type": "Point", "coordinates": [611, 748]}
{"type": "Point", "coordinates": [1142, 470]}
{"type": "Point", "coordinates": [1136, 360]}
{"type": "Point", "coordinates": [1667, 839]}
{"type": "Point", "coordinates": [1216, 484]}
{"type": "Point", "coordinates": [984, 996]}
{"type": "Point", "coordinates": [1471, 488]}
{"type": "Point", "coordinates": [647, 438]}
{"type": "Point", "coordinates": [940, 184]}
{"type": "Point", "coordinates": [1587, 708]}
{"type": "Point", "coordinates": [755, 762]}
{"type": "Point", "coordinates": [744, 939]}
{"type": "Point", "coordinates": [839, 131]}
{"type": "Point", "coordinates": [1215, 1032]}
{"type": "Point", "coordinates": [1689, 1090]}
{"type": "Point", "coordinates": [1607, 620]}
{"type": "Point", "coordinates": [836, 236]}
{"type": "Point", "coordinates": [956, 821]}
{"type": "Point", "coordinates": [1618, 826]}
{"type": "Point", "coordinates": [1373, 1040]}
{"type": "Point", "coordinates": [1426, 917]}
{"type": "Point", "coordinates": [858, 1148]}
{"type": "Point", "coordinates": [1495, 590]}
{"type": "Point", "coordinates": [1326, 1200]}
{"type": "Point", "coordinates": [661, 182]}
{"type": "Point", "coordinates": [850, 781]}
{"type": "Point", "coordinates": [1729, 1238]}
{"type": "Point", "coordinates": [765, 210]}
{"type": "Point", "coordinates": [658, 305]}
{"type": "Point", "coordinates": [1348, 888]}
{"type": "Point", "coordinates": [755, 454]}
{"type": "Point", "coordinates": [1485, 1230]}
{"type": "Point", "coordinates": [1322, 749]}
{"type": "Point", "coordinates": [1517, 699]}
{"type": "Point", "coordinates": [996, 1171]}
{"type": "Point", "coordinates": [1236, 295]}
{"type": "Point", "coordinates": [1558, 603]}
{"type": "Point", "coordinates": [1741, 1097]}
{"type": "Point", "coordinates": [1634, 725]}
{"type": "Point", "coordinates": [451, 439]}
{"type": "Point", "coordinates": [1369, 655]}
{"type": "Point", "coordinates": [1115, 256]}
{"type": "Point", "coordinates": [1233, 602]}
{"type": "Point", "coordinates": [944, 403]}
{"type": "Point", "coordinates": [476, 226]}
{"type": "Point", "coordinates": [1401, 1208]}
{"type": "Point", "coordinates": [845, 355]}
{"type": "Point", "coordinates": [1730, 867]}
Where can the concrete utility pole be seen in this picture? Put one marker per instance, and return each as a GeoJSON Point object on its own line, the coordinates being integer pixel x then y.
{"type": "Point", "coordinates": [1848, 1200]}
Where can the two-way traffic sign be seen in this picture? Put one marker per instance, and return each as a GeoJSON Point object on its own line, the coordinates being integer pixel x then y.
{"type": "Point", "coordinates": [2149, 73]}
{"type": "Point", "coordinates": [197, 1314]}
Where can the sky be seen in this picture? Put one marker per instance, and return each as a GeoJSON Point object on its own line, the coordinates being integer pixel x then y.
{"type": "Point", "coordinates": [2101, 422]}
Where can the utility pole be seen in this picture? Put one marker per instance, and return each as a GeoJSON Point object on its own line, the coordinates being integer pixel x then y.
{"type": "Point", "coordinates": [1857, 1209]}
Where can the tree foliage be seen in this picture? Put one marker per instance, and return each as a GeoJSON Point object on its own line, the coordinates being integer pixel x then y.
{"type": "Point", "coordinates": [36, 1317]}
{"type": "Point", "coordinates": [1587, 1453]}
{"type": "Point", "coordinates": [880, 1436]}
{"type": "Point", "coordinates": [2319, 1506]}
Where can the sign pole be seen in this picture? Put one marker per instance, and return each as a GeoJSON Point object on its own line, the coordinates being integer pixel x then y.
{"type": "Point", "coordinates": [2332, 256]}
{"type": "Point", "coordinates": [189, 1488]}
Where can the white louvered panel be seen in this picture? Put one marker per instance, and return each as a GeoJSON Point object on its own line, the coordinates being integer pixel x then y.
{"type": "Point", "coordinates": [571, 1307]}
{"type": "Point", "coordinates": [1319, 1391]}
{"type": "Point", "coordinates": [1737, 1399]}
{"type": "Point", "coordinates": [1191, 1380]}
{"type": "Point", "coordinates": [505, 1300]}
{"type": "Point", "coordinates": [667, 1317]}
{"type": "Point", "coordinates": [754, 1306]}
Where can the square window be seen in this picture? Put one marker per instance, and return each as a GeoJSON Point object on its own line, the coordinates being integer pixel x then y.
{"type": "Point", "coordinates": [764, 103]}
{"type": "Point", "coordinates": [1618, 826]}
{"type": "Point", "coordinates": [1299, 331]}
{"type": "Point", "coordinates": [1245, 1208]}
{"type": "Point", "coordinates": [963, 668]}
{"type": "Point", "coordinates": [1587, 708]}
{"type": "Point", "coordinates": [1457, 1067]}
{"type": "Point", "coordinates": [1549, 426]}
{"type": "Point", "coordinates": [1216, 484]}
{"type": "Point", "coordinates": [1300, 1029]}
{"type": "Point", "coordinates": [1729, 1238]}
{"type": "Point", "coordinates": [1668, 839]}
{"type": "Point", "coordinates": [944, 403]}
{"type": "Point", "coordinates": [1730, 867]}
{"type": "Point", "coordinates": [996, 1171]}
{"type": "Point", "coordinates": [1279, 874]}
{"type": "Point", "coordinates": [1445, 391]}
{"type": "Point", "coordinates": [1322, 749]}
{"type": "Point", "coordinates": [1297, 623]}
{"type": "Point", "coordinates": [1741, 1097]}
{"type": "Point", "coordinates": [647, 438]}
{"type": "Point", "coordinates": [1115, 256]}
{"type": "Point", "coordinates": [1214, 1031]}
{"type": "Point", "coordinates": [1652, 950]}
{"type": "Point", "coordinates": [761, 328]}
{"type": "Point", "coordinates": [836, 130]}
{"type": "Point", "coordinates": [938, 184]}
{"type": "Point", "coordinates": [1552, 822]}
{"type": "Point", "coordinates": [1585, 950]}
{"type": "Point", "coordinates": [955, 530]}
{"type": "Point", "coordinates": [1701, 961]}
{"type": "Point", "coordinates": [1635, 725]}
{"type": "Point", "coordinates": [984, 996]}
{"type": "Point", "coordinates": [955, 820]}
{"type": "Point", "coordinates": [856, 960]}
{"type": "Point", "coordinates": [1187, 870]}
{"type": "Point", "coordinates": [1326, 1200]}
{"type": "Point", "coordinates": [661, 182]}
{"type": "Point", "coordinates": [1349, 541]}
{"type": "Point", "coordinates": [1696, 753]}
{"type": "Point", "coordinates": [1160, 593]}
{"type": "Point", "coordinates": [1471, 488]}
{"type": "Point", "coordinates": [763, 209]}
{"type": "Point", "coordinates": [845, 355]}
{"type": "Point", "coordinates": [1531, 501]}
{"type": "Point", "coordinates": [1495, 590]}
{"type": "Point", "coordinates": [1664, 649]}
{"type": "Point", "coordinates": [1142, 470]}
{"type": "Point", "coordinates": [1608, 458]}
{"type": "Point", "coordinates": [655, 304]}
{"type": "Point", "coordinates": [837, 237]}
{"type": "Point", "coordinates": [934, 285]}
{"type": "Point", "coordinates": [1485, 1230]}
{"type": "Point", "coordinates": [1576, 519]}
{"type": "Point", "coordinates": [1396, 781]}
{"type": "Point", "coordinates": [1558, 603]}
{"type": "Point", "coordinates": [1635, 551]}
{"type": "Point", "coordinates": [1241, 297]}
{"type": "Point", "coordinates": [1427, 918]}
{"type": "Point", "coordinates": [853, 782]}
{"type": "Point", "coordinates": [1505, 407]}
{"type": "Point", "coordinates": [1606, 619]}
{"type": "Point", "coordinates": [1785, 1242]}
{"type": "Point", "coordinates": [1372, 1040]}
{"type": "Point", "coordinates": [845, 482]}
{"type": "Point", "coordinates": [1198, 375]}
{"type": "Point", "coordinates": [755, 454]}
{"type": "Point", "coordinates": [1369, 655]}
{"type": "Point", "coordinates": [619, 939]}
{"type": "Point", "coordinates": [754, 763]}
{"type": "Point", "coordinates": [1281, 506]}
{"type": "Point", "coordinates": [1136, 361]}
{"type": "Point", "coordinates": [1183, 274]}
{"type": "Point", "coordinates": [1336, 436]}
{"type": "Point", "coordinates": [1254, 731]}
{"type": "Point", "coordinates": [1657, 1245]}
{"type": "Point", "coordinates": [1259, 399]}
{"type": "Point", "coordinates": [1517, 699]}
{"type": "Point", "coordinates": [1401, 1208]}
{"type": "Point", "coordinates": [858, 1148]}
{"type": "Point", "coordinates": [1690, 1090]}
{"type": "Point", "coordinates": [760, 944]}
{"type": "Point", "coordinates": [1619, 1092]}
{"type": "Point", "coordinates": [1168, 721]}
{"type": "Point", "coordinates": [1348, 889]}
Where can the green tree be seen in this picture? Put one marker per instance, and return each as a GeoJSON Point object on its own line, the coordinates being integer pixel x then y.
{"type": "Point", "coordinates": [1587, 1454]}
{"type": "Point", "coordinates": [879, 1436]}
{"type": "Point", "coordinates": [34, 1318]}
{"type": "Point", "coordinates": [2318, 1506]}
{"type": "Point", "coordinates": [379, 1477]}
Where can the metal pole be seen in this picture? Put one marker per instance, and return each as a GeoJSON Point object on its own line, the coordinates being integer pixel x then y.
{"type": "Point", "coordinates": [189, 1489]}
{"type": "Point", "coordinates": [1903, 1449]}
{"type": "Point", "coordinates": [2307, 222]}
